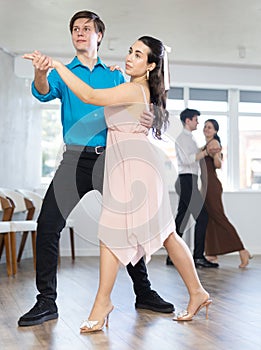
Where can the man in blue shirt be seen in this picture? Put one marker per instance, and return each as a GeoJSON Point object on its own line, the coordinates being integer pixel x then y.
{"type": "Point", "coordinates": [81, 169]}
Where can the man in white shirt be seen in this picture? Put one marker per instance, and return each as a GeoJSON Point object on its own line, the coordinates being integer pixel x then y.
{"type": "Point", "coordinates": [190, 200]}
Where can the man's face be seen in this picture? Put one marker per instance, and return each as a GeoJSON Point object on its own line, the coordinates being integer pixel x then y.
{"type": "Point", "coordinates": [192, 124]}
{"type": "Point", "coordinates": [84, 36]}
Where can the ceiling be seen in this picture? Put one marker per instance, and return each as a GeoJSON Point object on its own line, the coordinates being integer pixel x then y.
{"type": "Point", "coordinates": [223, 32]}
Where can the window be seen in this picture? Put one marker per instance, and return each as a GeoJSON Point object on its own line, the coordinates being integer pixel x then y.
{"type": "Point", "coordinates": [212, 103]}
{"type": "Point", "coordinates": [249, 125]}
{"type": "Point", "coordinates": [51, 142]}
{"type": "Point", "coordinates": [250, 152]}
{"type": "Point", "coordinates": [175, 104]}
{"type": "Point", "coordinates": [239, 121]}
{"type": "Point", "coordinates": [175, 101]}
{"type": "Point", "coordinates": [208, 100]}
{"type": "Point", "coordinates": [168, 155]}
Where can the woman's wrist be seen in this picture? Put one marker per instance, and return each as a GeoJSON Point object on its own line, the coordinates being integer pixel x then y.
{"type": "Point", "coordinates": [56, 64]}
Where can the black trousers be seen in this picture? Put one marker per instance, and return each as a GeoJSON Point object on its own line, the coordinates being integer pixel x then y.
{"type": "Point", "coordinates": [78, 173]}
{"type": "Point", "coordinates": [191, 202]}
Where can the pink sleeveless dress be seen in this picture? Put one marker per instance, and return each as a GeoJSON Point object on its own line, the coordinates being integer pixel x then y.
{"type": "Point", "coordinates": [136, 215]}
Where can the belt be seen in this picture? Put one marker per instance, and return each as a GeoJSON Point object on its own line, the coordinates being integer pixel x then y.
{"type": "Point", "coordinates": [97, 149]}
{"type": "Point", "coordinates": [188, 174]}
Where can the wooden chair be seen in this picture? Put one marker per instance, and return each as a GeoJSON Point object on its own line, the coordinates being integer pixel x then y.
{"type": "Point", "coordinates": [37, 201]}
{"type": "Point", "coordinates": [33, 203]}
{"type": "Point", "coordinates": [26, 225]}
{"type": "Point", "coordinates": [6, 210]}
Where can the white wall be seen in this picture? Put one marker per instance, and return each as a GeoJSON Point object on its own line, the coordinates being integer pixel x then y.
{"type": "Point", "coordinates": [20, 132]}
{"type": "Point", "coordinates": [242, 209]}
{"type": "Point", "coordinates": [215, 76]}
{"type": "Point", "coordinates": [183, 74]}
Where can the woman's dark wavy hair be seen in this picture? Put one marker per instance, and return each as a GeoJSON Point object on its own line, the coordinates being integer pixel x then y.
{"type": "Point", "coordinates": [158, 94]}
{"type": "Point", "coordinates": [216, 127]}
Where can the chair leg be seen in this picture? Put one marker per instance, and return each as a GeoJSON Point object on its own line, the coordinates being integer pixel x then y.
{"type": "Point", "coordinates": [34, 247]}
{"type": "Point", "coordinates": [72, 242]}
{"type": "Point", "coordinates": [1, 246]}
{"type": "Point", "coordinates": [21, 247]}
{"type": "Point", "coordinates": [7, 254]}
{"type": "Point", "coordinates": [13, 252]}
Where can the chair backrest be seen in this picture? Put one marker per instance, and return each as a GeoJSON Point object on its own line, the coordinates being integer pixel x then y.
{"type": "Point", "coordinates": [2, 195]}
{"type": "Point", "coordinates": [35, 197]}
{"type": "Point", "coordinates": [6, 208]}
{"type": "Point", "coordinates": [2, 198]}
{"type": "Point", "coordinates": [17, 198]}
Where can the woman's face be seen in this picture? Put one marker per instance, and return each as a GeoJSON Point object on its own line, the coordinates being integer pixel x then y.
{"type": "Point", "coordinates": [136, 63]}
{"type": "Point", "coordinates": [209, 130]}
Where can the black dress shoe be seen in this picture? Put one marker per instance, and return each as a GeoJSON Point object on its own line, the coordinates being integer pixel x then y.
{"type": "Point", "coordinates": [152, 301]}
{"type": "Point", "coordinates": [168, 261]}
{"type": "Point", "coordinates": [43, 310]}
{"type": "Point", "coordinates": [203, 262]}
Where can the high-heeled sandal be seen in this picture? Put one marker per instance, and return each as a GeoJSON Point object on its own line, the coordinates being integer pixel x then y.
{"type": "Point", "coordinates": [186, 316]}
{"type": "Point", "coordinates": [89, 326]}
{"type": "Point", "coordinates": [212, 258]}
{"type": "Point", "coordinates": [246, 258]}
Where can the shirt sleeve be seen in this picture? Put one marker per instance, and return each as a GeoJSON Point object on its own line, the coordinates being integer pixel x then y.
{"type": "Point", "coordinates": [55, 86]}
{"type": "Point", "coordinates": [185, 152]}
{"type": "Point", "coordinates": [119, 78]}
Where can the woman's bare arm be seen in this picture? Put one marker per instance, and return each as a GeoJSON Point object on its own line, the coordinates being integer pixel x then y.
{"type": "Point", "coordinates": [123, 93]}
{"type": "Point", "coordinates": [214, 150]}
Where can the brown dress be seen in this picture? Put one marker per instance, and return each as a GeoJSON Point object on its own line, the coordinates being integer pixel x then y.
{"type": "Point", "coordinates": [221, 236]}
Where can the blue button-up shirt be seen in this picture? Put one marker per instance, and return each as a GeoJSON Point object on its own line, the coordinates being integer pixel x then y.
{"type": "Point", "coordinates": [83, 123]}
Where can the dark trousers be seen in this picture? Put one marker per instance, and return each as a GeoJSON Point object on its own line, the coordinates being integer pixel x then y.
{"type": "Point", "coordinates": [191, 202]}
{"type": "Point", "coordinates": [78, 173]}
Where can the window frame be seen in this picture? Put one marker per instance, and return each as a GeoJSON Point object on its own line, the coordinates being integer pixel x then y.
{"type": "Point", "coordinates": [232, 114]}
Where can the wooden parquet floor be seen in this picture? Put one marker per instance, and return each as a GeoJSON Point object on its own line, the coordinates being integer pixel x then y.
{"type": "Point", "coordinates": [234, 317]}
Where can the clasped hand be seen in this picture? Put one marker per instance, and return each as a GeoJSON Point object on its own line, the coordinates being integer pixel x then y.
{"type": "Point", "coordinates": [213, 150]}
{"type": "Point", "coordinates": [40, 61]}
{"type": "Point", "coordinates": [43, 63]}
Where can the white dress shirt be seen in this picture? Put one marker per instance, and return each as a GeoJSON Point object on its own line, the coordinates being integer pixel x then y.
{"type": "Point", "coordinates": [186, 151]}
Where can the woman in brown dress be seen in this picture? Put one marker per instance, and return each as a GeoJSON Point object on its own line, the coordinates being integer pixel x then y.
{"type": "Point", "coordinates": [221, 235]}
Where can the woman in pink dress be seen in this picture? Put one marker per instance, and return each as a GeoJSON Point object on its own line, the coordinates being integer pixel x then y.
{"type": "Point", "coordinates": [136, 217]}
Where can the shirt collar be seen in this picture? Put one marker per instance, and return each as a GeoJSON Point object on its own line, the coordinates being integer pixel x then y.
{"type": "Point", "coordinates": [75, 62]}
{"type": "Point", "coordinates": [186, 131]}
